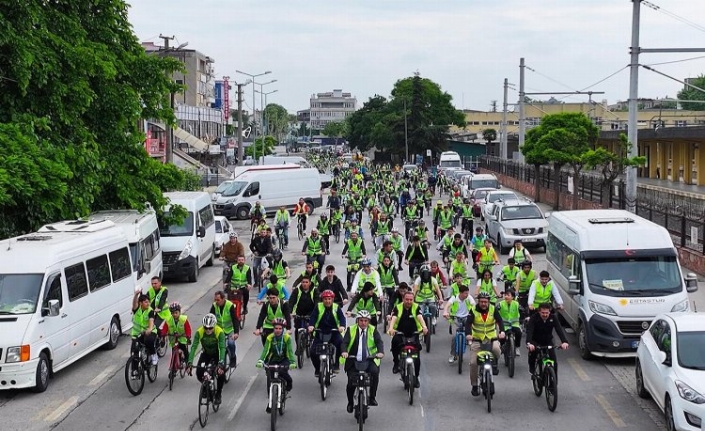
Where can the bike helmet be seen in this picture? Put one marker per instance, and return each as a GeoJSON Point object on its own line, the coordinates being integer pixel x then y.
{"type": "Point", "coordinates": [278, 322]}
{"type": "Point", "coordinates": [209, 321]}
{"type": "Point", "coordinates": [363, 314]}
{"type": "Point", "coordinates": [277, 254]}
{"type": "Point", "coordinates": [439, 202]}
{"type": "Point", "coordinates": [233, 234]}
{"type": "Point", "coordinates": [526, 263]}
{"type": "Point", "coordinates": [366, 262]}
{"type": "Point", "coordinates": [483, 295]}
{"type": "Point", "coordinates": [327, 294]}
{"type": "Point", "coordinates": [425, 273]}
{"type": "Point", "coordinates": [175, 306]}
{"type": "Point", "coordinates": [394, 229]}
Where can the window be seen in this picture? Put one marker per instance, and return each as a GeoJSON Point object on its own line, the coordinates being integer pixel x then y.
{"type": "Point", "coordinates": [98, 272]}
{"type": "Point", "coordinates": [76, 281]}
{"type": "Point", "coordinates": [656, 330]}
{"type": "Point", "coordinates": [54, 290]}
{"type": "Point", "coordinates": [206, 213]}
{"type": "Point", "coordinates": [664, 341]}
{"type": "Point", "coordinates": [120, 264]}
{"type": "Point", "coordinates": [681, 123]}
{"type": "Point", "coordinates": [565, 259]}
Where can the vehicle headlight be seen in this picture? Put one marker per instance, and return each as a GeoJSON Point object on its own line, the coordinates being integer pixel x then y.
{"type": "Point", "coordinates": [596, 307]}
{"type": "Point", "coordinates": [508, 230]}
{"type": "Point", "coordinates": [688, 393]}
{"type": "Point", "coordinates": [684, 305]}
{"type": "Point", "coordinates": [409, 360]}
{"type": "Point", "coordinates": [186, 251]}
{"type": "Point", "coordinates": [17, 354]}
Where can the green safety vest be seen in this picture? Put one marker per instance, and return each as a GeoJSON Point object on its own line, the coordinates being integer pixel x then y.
{"type": "Point", "coordinates": [425, 292]}
{"type": "Point", "coordinates": [455, 249]}
{"type": "Point", "coordinates": [371, 346]}
{"type": "Point", "coordinates": [323, 228]}
{"type": "Point", "coordinates": [388, 209]}
{"type": "Point", "coordinates": [271, 315]}
{"type": "Point", "coordinates": [509, 313]}
{"type": "Point", "coordinates": [223, 318]}
{"type": "Point", "coordinates": [386, 276]}
{"type": "Point", "coordinates": [354, 250]}
{"type": "Point", "coordinates": [467, 212]}
{"type": "Point", "coordinates": [177, 327]}
{"type": "Point", "coordinates": [396, 242]}
{"type": "Point", "coordinates": [486, 257]}
{"type": "Point", "coordinates": [446, 219]}
{"type": "Point", "coordinates": [322, 309]}
{"type": "Point", "coordinates": [278, 269]}
{"type": "Point", "coordinates": [314, 246]}
{"type": "Point", "coordinates": [510, 274]}
{"type": "Point", "coordinates": [487, 286]}
{"type": "Point", "coordinates": [239, 277]}
{"type": "Point", "coordinates": [298, 298]}
{"type": "Point", "coordinates": [366, 304]}
{"type": "Point", "coordinates": [484, 329]}
{"type": "Point", "coordinates": [413, 310]}
{"type": "Point", "coordinates": [519, 258]}
{"type": "Point", "coordinates": [543, 293]}
{"type": "Point", "coordinates": [437, 211]}
{"type": "Point", "coordinates": [281, 216]}
{"type": "Point", "coordinates": [478, 241]}
{"type": "Point", "coordinates": [364, 278]}
{"type": "Point", "coordinates": [458, 268]}
{"type": "Point", "coordinates": [155, 298]}
{"type": "Point", "coordinates": [312, 276]}
{"type": "Point", "coordinates": [383, 228]}
{"type": "Point", "coordinates": [140, 322]}
{"type": "Point", "coordinates": [454, 307]}
{"type": "Point", "coordinates": [211, 345]}
{"type": "Point", "coordinates": [420, 249]}
{"type": "Point", "coordinates": [279, 286]}
{"type": "Point", "coordinates": [525, 280]}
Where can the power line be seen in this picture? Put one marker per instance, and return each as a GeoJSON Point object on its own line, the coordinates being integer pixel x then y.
{"type": "Point", "coordinates": [551, 79]}
{"type": "Point", "coordinates": [673, 15]}
{"type": "Point", "coordinates": [599, 82]}
{"type": "Point", "coordinates": [676, 61]}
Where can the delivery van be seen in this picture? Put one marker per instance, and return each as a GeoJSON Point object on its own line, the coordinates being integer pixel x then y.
{"type": "Point", "coordinates": [142, 231]}
{"type": "Point", "coordinates": [449, 160]}
{"type": "Point", "coordinates": [282, 160]}
{"type": "Point", "coordinates": [188, 246]}
{"type": "Point", "coordinates": [272, 189]}
{"type": "Point", "coordinates": [616, 271]}
{"type": "Point", "coordinates": [64, 292]}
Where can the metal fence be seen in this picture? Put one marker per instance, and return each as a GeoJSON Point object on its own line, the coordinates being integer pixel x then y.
{"type": "Point", "coordinates": [683, 216]}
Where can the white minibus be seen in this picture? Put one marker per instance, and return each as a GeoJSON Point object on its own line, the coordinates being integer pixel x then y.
{"type": "Point", "coordinates": [64, 291]}
{"type": "Point", "coordinates": [616, 271]}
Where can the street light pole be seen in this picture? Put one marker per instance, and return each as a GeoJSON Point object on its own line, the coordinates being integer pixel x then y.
{"type": "Point", "coordinates": [265, 105]}
{"type": "Point", "coordinates": [406, 134]}
{"type": "Point", "coordinates": [169, 154]}
{"type": "Point", "coordinates": [254, 110]}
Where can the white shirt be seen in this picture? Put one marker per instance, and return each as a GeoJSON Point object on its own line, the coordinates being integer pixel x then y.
{"type": "Point", "coordinates": [361, 345]}
{"type": "Point", "coordinates": [554, 291]}
{"type": "Point", "coordinates": [377, 282]}
{"type": "Point", "coordinates": [527, 256]}
{"type": "Point", "coordinates": [462, 310]}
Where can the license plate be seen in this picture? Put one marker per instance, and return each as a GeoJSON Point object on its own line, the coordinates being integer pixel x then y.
{"type": "Point", "coordinates": [635, 344]}
{"type": "Point", "coordinates": [528, 241]}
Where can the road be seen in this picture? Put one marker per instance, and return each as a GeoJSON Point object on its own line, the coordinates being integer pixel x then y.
{"type": "Point", "coordinates": [91, 395]}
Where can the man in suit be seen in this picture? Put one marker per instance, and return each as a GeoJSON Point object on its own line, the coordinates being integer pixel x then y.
{"type": "Point", "coordinates": [362, 343]}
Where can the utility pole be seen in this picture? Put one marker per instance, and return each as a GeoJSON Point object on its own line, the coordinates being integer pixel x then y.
{"type": "Point", "coordinates": [240, 146]}
{"type": "Point", "coordinates": [169, 130]}
{"type": "Point", "coordinates": [503, 150]}
{"type": "Point", "coordinates": [522, 120]}
{"type": "Point", "coordinates": [406, 134]}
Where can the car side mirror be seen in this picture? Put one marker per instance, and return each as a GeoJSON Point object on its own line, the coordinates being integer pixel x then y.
{"type": "Point", "coordinates": [662, 358]}
{"type": "Point", "coordinates": [574, 285]}
{"type": "Point", "coordinates": [53, 308]}
{"type": "Point", "coordinates": [691, 282]}
{"type": "Point", "coordinates": [201, 232]}
{"type": "Point", "coordinates": [499, 186]}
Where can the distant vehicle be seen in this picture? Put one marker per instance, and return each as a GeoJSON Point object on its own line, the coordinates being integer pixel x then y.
{"type": "Point", "coordinates": [491, 197]}
{"type": "Point", "coordinates": [449, 160]}
{"type": "Point", "coordinates": [222, 233]}
{"type": "Point", "coordinates": [477, 198]}
{"type": "Point", "coordinates": [410, 168]}
{"type": "Point", "coordinates": [516, 219]}
{"type": "Point", "coordinates": [478, 181]}
{"type": "Point", "coordinates": [670, 368]}
{"type": "Point", "coordinates": [221, 188]}
{"type": "Point", "coordinates": [281, 160]}
{"type": "Point", "coordinates": [326, 179]}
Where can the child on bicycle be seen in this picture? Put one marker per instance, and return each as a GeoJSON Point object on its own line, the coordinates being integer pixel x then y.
{"type": "Point", "coordinates": [509, 310]}
{"type": "Point", "coordinates": [177, 328]}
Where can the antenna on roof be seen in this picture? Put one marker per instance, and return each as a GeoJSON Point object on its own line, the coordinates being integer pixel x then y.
{"type": "Point", "coordinates": [9, 244]}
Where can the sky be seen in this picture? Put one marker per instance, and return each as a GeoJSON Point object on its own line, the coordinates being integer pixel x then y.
{"type": "Point", "coordinates": [468, 47]}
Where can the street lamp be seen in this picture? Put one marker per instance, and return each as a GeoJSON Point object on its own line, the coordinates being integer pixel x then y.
{"type": "Point", "coordinates": [240, 147]}
{"type": "Point", "coordinates": [169, 155]}
{"type": "Point", "coordinates": [254, 117]}
{"type": "Point", "coordinates": [265, 105]}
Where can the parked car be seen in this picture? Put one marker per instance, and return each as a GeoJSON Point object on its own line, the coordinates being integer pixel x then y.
{"type": "Point", "coordinates": [517, 219]}
{"type": "Point", "coordinates": [222, 233]}
{"type": "Point", "coordinates": [670, 367]}
{"type": "Point", "coordinates": [477, 197]}
{"type": "Point", "coordinates": [491, 197]}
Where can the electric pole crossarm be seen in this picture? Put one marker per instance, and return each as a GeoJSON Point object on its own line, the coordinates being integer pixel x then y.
{"type": "Point", "coordinates": [669, 50]}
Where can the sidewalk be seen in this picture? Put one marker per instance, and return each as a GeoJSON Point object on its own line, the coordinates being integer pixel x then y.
{"type": "Point", "coordinates": [676, 187]}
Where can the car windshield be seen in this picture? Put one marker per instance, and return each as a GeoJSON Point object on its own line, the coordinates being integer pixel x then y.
{"type": "Point", "coordinates": [478, 183]}
{"type": "Point", "coordinates": [480, 194]}
{"type": "Point", "coordinates": [223, 186]}
{"type": "Point", "coordinates": [521, 213]}
{"type": "Point", "coordinates": [19, 293]}
{"type": "Point", "coordinates": [691, 350]}
{"type": "Point", "coordinates": [235, 188]}
{"type": "Point", "coordinates": [450, 164]}
{"type": "Point", "coordinates": [184, 229]}
{"type": "Point", "coordinates": [494, 197]}
{"type": "Point", "coordinates": [642, 276]}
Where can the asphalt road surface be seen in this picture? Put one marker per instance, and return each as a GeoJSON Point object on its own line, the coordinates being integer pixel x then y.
{"type": "Point", "coordinates": [91, 394]}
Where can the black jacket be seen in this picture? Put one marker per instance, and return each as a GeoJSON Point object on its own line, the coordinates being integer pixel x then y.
{"type": "Point", "coordinates": [336, 286]}
{"type": "Point", "coordinates": [540, 332]}
{"type": "Point", "coordinates": [353, 348]}
{"type": "Point", "coordinates": [261, 245]}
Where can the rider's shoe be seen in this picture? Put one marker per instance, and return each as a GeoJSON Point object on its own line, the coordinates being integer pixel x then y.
{"type": "Point", "coordinates": [417, 383]}
{"type": "Point", "coordinates": [395, 369]}
{"type": "Point", "coordinates": [268, 409]}
{"type": "Point", "coordinates": [452, 358]}
{"type": "Point", "coordinates": [373, 402]}
{"type": "Point", "coordinates": [350, 407]}
{"type": "Point", "coordinates": [517, 351]}
{"type": "Point", "coordinates": [475, 391]}
{"type": "Point", "coordinates": [218, 399]}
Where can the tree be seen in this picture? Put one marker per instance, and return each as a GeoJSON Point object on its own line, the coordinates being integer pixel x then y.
{"type": "Point", "coordinates": [76, 84]}
{"type": "Point", "coordinates": [690, 93]}
{"type": "Point", "coordinates": [362, 122]}
{"type": "Point", "coordinates": [257, 151]}
{"type": "Point", "coordinates": [612, 165]}
{"type": "Point", "coordinates": [277, 120]}
{"type": "Point", "coordinates": [335, 129]}
{"type": "Point", "coordinates": [489, 135]}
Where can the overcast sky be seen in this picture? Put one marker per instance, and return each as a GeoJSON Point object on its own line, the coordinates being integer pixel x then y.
{"type": "Point", "coordinates": [466, 46]}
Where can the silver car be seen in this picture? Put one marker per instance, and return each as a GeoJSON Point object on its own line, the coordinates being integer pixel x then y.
{"type": "Point", "coordinates": [493, 196]}
{"type": "Point", "coordinates": [517, 219]}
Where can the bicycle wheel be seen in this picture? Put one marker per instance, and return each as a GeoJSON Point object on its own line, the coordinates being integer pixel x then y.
{"type": "Point", "coordinates": [511, 356]}
{"type": "Point", "coordinates": [323, 370]}
{"type": "Point", "coordinates": [410, 383]}
{"type": "Point", "coordinates": [282, 404]}
{"type": "Point", "coordinates": [551, 385]}
{"type": "Point", "coordinates": [161, 347]}
{"type": "Point", "coordinates": [427, 337]}
{"type": "Point", "coordinates": [227, 367]}
{"type": "Point", "coordinates": [536, 380]}
{"type": "Point", "coordinates": [300, 232]}
{"type": "Point", "coordinates": [134, 376]}
{"type": "Point", "coordinates": [361, 407]}
{"type": "Point", "coordinates": [152, 373]}
{"type": "Point", "coordinates": [307, 345]}
{"type": "Point", "coordinates": [203, 401]}
{"type": "Point", "coordinates": [212, 398]}
{"type": "Point", "coordinates": [300, 349]}
{"type": "Point", "coordinates": [460, 348]}
{"type": "Point", "coordinates": [182, 367]}
{"type": "Point", "coordinates": [487, 383]}
{"type": "Point", "coordinates": [242, 319]}
{"type": "Point", "coordinates": [172, 369]}
{"type": "Point", "coordinates": [274, 396]}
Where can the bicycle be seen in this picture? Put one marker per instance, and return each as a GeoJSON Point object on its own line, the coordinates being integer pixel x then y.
{"type": "Point", "coordinates": [362, 383]}
{"type": "Point", "coordinates": [303, 340]}
{"type": "Point", "coordinates": [227, 272]}
{"type": "Point", "coordinates": [509, 353]}
{"type": "Point", "coordinates": [336, 232]}
{"type": "Point", "coordinates": [277, 393]}
{"type": "Point", "coordinates": [467, 228]}
{"type": "Point", "coordinates": [300, 227]}
{"type": "Point", "coordinates": [257, 270]}
{"type": "Point", "coordinates": [486, 371]}
{"type": "Point", "coordinates": [229, 359]}
{"type": "Point", "coordinates": [545, 378]}
{"type": "Point", "coordinates": [177, 364]}
{"type": "Point", "coordinates": [326, 353]}
{"type": "Point", "coordinates": [206, 396]}
{"type": "Point", "coordinates": [459, 341]}
{"type": "Point", "coordinates": [254, 222]}
{"type": "Point", "coordinates": [428, 317]}
{"type": "Point", "coordinates": [352, 269]}
{"type": "Point", "coordinates": [409, 353]}
{"type": "Point", "coordinates": [161, 343]}
{"type": "Point", "coordinates": [137, 366]}
{"type": "Point", "coordinates": [281, 238]}
{"type": "Point", "coordinates": [236, 296]}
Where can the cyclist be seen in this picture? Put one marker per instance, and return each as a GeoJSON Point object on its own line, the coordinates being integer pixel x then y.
{"type": "Point", "coordinates": [438, 274]}
{"type": "Point", "coordinates": [435, 214]}
{"type": "Point", "coordinates": [422, 232]}
{"type": "Point", "coordinates": [323, 227]}
{"type": "Point", "coordinates": [178, 329]}
{"type": "Point", "coordinates": [397, 297]}
{"type": "Point", "coordinates": [427, 291]}
{"type": "Point", "coordinates": [407, 321]}
{"type": "Point", "coordinates": [281, 224]}
{"type": "Point", "coordinates": [241, 278]}
{"type": "Point", "coordinates": [486, 258]}
{"type": "Point", "coordinates": [386, 250]}
{"type": "Point", "coordinates": [143, 329]}
{"type": "Point", "coordinates": [258, 212]}
{"type": "Point", "coordinates": [416, 255]}
{"type": "Point", "coordinates": [158, 295]}
{"type": "Point", "coordinates": [366, 300]}
{"type": "Point", "coordinates": [477, 242]}
{"type": "Point", "coordinates": [231, 250]}
{"type": "Point", "coordinates": [382, 230]}
{"type": "Point", "coordinates": [353, 227]}
{"type": "Point", "coordinates": [468, 217]}
{"type": "Point", "coordinates": [519, 253]}
{"type": "Point", "coordinates": [458, 307]}
{"type": "Point", "coordinates": [509, 273]}
{"type": "Point", "coordinates": [458, 280]}
{"type": "Point", "coordinates": [388, 276]}
{"type": "Point", "coordinates": [488, 285]}
{"type": "Point", "coordinates": [509, 309]}
{"type": "Point", "coordinates": [277, 266]}
{"type": "Point", "coordinates": [367, 273]}
{"type": "Point", "coordinates": [457, 246]}
{"type": "Point", "coordinates": [539, 332]}
{"type": "Point", "coordinates": [482, 326]}
{"type": "Point", "coordinates": [272, 309]}
{"type": "Point", "coordinates": [261, 246]}
{"type": "Point", "coordinates": [314, 248]}
{"type": "Point", "coordinates": [445, 242]}
{"type": "Point", "coordinates": [211, 338]}
{"type": "Point", "coordinates": [362, 344]}
{"type": "Point", "coordinates": [329, 319]}
{"type": "Point", "coordinates": [445, 221]}
{"type": "Point", "coordinates": [542, 291]}
{"type": "Point", "coordinates": [334, 202]}
{"type": "Point", "coordinates": [301, 212]}
{"type": "Point", "coordinates": [276, 283]}
{"type": "Point", "coordinates": [459, 266]}
{"type": "Point", "coordinates": [302, 301]}
{"type": "Point", "coordinates": [333, 283]}
{"type": "Point", "coordinates": [309, 272]}
{"type": "Point", "coordinates": [278, 350]}
{"type": "Point", "coordinates": [224, 312]}
{"type": "Point", "coordinates": [397, 246]}
{"type": "Point", "coordinates": [336, 219]}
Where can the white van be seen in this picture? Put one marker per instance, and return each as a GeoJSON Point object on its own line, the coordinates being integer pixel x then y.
{"type": "Point", "coordinates": [449, 160]}
{"type": "Point", "coordinates": [616, 271]}
{"type": "Point", "coordinates": [282, 160]}
{"type": "Point", "coordinates": [239, 170]}
{"type": "Point", "coordinates": [142, 231]}
{"type": "Point", "coordinates": [273, 189]}
{"type": "Point", "coordinates": [189, 246]}
{"type": "Point", "coordinates": [64, 292]}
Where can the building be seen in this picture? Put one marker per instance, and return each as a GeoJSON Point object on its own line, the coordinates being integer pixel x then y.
{"type": "Point", "coordinates": [304, 116]}
{"type": "Point", "coordinates": [329, 107]}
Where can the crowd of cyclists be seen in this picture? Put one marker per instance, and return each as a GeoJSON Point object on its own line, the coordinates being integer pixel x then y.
{"type": "Point", "coordinates": [390, 283]}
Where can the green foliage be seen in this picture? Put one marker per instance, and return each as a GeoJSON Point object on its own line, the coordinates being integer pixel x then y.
{"type": "Point", "coordinates": [335, 129]}
{"type": "Point", "coordinates": [489, 135]}
{"type": "Point", "coordinates": [690, 93]}
{"type": "Point", "coordinates": [613, 164]}
{"type": "Point", "coordinates": [277, 120]}
{"type": "Point", "coordinates": [256, 150]}
{"type": "Point", "coordinates": [77, 84]}
{"type": "Point", "coordinates": [304, 129]}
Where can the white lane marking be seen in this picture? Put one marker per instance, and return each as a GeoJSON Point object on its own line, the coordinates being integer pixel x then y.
{"type": "Point", "coordinates": [422, 412]}
{"type": "Point", "coordinates": [239, 402]}
{"type": "Point", "coordinates": [56, 414]}
{"type": "Point", "coordinates": [100, 377]}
